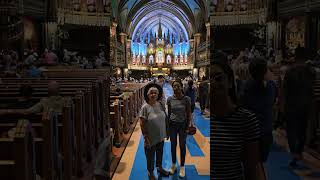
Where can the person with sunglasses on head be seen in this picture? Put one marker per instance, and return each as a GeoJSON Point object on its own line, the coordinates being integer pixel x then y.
{"type": "Point", "coordinates": [235, 131]}
{"type": "Point", "coordinates": [154, 128]}
{"type": "Point", "coordinates": [179, 112]}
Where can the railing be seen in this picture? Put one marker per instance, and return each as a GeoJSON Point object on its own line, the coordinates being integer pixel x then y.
{"type": "Point", "coordinates": [256, 16]}
{"type": "Point", "coordinates": [83, 18]}
{"type": "Point", "coordinates": [173, 66]}
{"type": "Point", "coordinates": [9, 7]}
{"type": "Point", "coordinates": [11, 32]}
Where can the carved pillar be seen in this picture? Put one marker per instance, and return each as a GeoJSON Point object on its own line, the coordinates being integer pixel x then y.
{"type": "Point", "coordinates": [196, 44]}
{"type": "Point", "coordinates": [192, 55]}
{"type": "Point", "coordinates": [83, 5]}
{"type": "Point", "coordinates": [99, 6]}
{"type": "Point", "coordinates": [220, 5]}
{"type": "Point", "coordinates": [123, 39]}
{"type": "Point", "coordinates": [128, 50]}
{"type": "Point", "coordinates": [197, 39]}
{"type": "Point", "coordinates": [250, 5]}
{"type": "Point", "coordinates": [51, 40]}
{"type": "Point", "coordinates": [114, 44]}
{"type": "Point", "coordinates": [236, 5]}
{"type": "Point", "coordinates": [208, 38]}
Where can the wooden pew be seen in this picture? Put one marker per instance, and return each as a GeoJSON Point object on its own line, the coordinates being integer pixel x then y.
{"type": "Point", "coordinates": [48, 161]}
{"type": "Point", "coordinates": [97, 121]}
{"type": "Point", "coordinates": [17, 158]}
{"type": "Point", "coordinates": [82, 107]}
{"type": "Point", "coordinates": [115, 117]}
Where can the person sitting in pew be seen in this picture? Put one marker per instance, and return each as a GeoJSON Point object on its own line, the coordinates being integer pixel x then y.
{"type": "Point", "coordinates": [54, 102]}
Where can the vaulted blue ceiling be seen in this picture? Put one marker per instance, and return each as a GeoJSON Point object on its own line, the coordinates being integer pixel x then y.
{"type": "Point", "coordinates": [182, 18]}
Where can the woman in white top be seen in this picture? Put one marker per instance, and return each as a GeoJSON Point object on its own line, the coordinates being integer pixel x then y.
{"type": "Point", "coordinates": [153, 126]}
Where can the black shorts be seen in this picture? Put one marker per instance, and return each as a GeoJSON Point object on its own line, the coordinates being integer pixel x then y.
{"type": "Point", "coordinates": [266, 142]}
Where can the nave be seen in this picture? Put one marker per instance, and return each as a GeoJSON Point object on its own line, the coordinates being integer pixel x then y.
{"type": "Point", "coordinates": [133, 162]}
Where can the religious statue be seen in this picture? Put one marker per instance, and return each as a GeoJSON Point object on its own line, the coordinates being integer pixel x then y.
{"type": "Point", "coordinates": [134, 59]}
{"type": "Point", "coordinates": [181, 59]}
{"type": "Point", "coordinates": [229, 6]}
{"type": "Point", "coordinates": [143, 60]}
{"type": "Point", "coordinates": [185, 59]}
{"type": "Point", "coordinates": [176, 60]}
{"type": "Point", "coordinates": [243, 5]}
{"type": "Point", "coordinates": [168, 59]}
{"type": "Point", "coordinates": [151, 60]}
{"type": "Point", "coordinates": [138, 59]}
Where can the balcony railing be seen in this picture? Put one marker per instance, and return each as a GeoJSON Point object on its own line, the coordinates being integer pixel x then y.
{"type": "Point", "coordinates": [256, 16]}
{"type": "Point", "coordinates": [70, 16]}
{"type": "Point", "coordinates": [11, 32]}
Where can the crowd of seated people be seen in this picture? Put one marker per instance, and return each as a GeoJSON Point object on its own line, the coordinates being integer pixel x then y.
{"type": "Point", "coordinates": [32, 62]}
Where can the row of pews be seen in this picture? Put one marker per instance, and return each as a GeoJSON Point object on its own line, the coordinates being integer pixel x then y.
{"type": "Point", "coordinates": [59, 146]}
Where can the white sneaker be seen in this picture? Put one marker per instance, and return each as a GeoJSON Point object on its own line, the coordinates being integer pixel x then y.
{"type": "Point", "coordinates": [173, 169]}
{"type": "Point", "coordinates": [182, 172]}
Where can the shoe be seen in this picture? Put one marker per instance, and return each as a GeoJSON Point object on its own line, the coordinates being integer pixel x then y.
{"type": "Point", "coordinates": [151, 177]}
{"type": "Point", "coordinates": [173, 169]}
{"type": "Point", "coordinates": [182, 172]}
{"type": "Point", "coordinates": [163, 172]}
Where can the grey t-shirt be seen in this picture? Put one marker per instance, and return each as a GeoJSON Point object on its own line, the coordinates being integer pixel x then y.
{"type": "Point", "coordinates": [178, 108]}
{"type": "Point", "coordinates": [155, 122]}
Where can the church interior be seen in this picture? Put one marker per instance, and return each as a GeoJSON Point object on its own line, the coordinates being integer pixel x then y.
{"type": "Point", "coordinates": [107, 89]}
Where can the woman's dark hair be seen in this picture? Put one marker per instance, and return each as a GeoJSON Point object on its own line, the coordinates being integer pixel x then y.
{"type": "Point", "coordinates": [180, 82]}
{"type": "Point", "coordinates": [150, 85]}
{"type": "Point", "coordinates": [220, 59]}
{"type": "Point", "coordinates": [257, 69]}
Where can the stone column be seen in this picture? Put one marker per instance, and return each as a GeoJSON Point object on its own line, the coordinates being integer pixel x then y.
{"type": "Point", "coordinates": [195, 48]}
{"type": "Point", "coordinates": [208, 39]}
{"type": "Point", "coordinates": [113, 40]}
{"type": "Point", "coordinates": [83, 5]}
{"type": "Point", "coordinates": [220, 5]}
{"type": "Point", "coordinates": [128, 50]}
{"type": "Point", "coordinates": [51, 40]}
{"type": "Point", "coordinates": [99, 6]}
{"type": "Point", "coordinates": [236, 5]}
{"type": "Point", "coordinates": [123, 39]}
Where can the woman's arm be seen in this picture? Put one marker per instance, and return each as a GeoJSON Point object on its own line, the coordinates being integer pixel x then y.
{"type": "Point", "coordinates": [144, 132]}
{"type": "Point", "coordinates": [189, 113]}
{"type": "Point", "coordinates": [252, 167]}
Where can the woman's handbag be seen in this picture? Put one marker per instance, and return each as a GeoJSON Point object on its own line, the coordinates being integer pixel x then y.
{"type": "Point", "coordinates": [192, 129]}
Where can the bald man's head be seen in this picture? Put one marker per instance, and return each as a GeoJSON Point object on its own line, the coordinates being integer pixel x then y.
{"type": "Point", "coordinates": [53, 88]}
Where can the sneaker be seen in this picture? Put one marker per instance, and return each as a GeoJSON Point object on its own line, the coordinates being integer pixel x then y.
{"type": "Point", "coordinates": [163, 172]}
{"type": "Point", "coordinates": [173, 169]}
{"type": "Point", "coordinates": [182, 172]}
